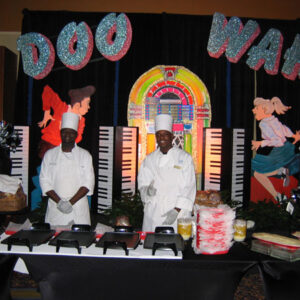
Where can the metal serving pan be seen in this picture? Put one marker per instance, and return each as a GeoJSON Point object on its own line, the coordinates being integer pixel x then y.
{"type": "Point", "coordinates": [84, 238]}
{"type": "Point", "coordinates": [29, 238]}
{"type": "Point", "coordinates": [164, 241]}
{"type": "Point", "coordinates": [114, 239]}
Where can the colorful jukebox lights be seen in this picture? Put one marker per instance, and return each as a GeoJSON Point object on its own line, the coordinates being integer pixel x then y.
{"type": "Point", "coordinates": [177, 91]}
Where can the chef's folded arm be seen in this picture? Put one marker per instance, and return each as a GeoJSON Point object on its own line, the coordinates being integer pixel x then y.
{"type": "Point", "coordinates": [79, 194]}
{"type": "Point", "coordinates": [53, 195]}
{"type": "Point", "coordinates": [82, 191]}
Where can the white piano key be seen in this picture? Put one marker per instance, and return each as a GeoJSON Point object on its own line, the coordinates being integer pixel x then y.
{"type": "Point", "coordinates": [215, 153]}
{"type": "Point", "coordinates": [126, 137]}
{"type": "Point", "coordinates": [20, 158]}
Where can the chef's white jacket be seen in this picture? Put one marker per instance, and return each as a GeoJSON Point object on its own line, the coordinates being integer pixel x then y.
{"type": "Point", "coordinates": [65, 173]}
{"type": "Point", "coordinates": [174, 179]}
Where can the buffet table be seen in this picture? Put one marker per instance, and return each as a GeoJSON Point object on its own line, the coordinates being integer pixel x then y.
{"type": "Point", "coordinates": [199, 277]}
{"type": "Point", "coordinates": [75, 276]}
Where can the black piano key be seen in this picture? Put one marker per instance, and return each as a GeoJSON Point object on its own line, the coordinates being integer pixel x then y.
{"type": "Point", "coordinates": [214, 182]}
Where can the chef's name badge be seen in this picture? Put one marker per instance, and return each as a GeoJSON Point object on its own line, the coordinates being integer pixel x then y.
{"type": "Point", "coordinates": [177, 167]}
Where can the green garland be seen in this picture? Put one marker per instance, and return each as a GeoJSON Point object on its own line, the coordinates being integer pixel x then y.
{"type": "Point", "coordinates": [38, 215]}
{"type": "Point", "coordinates": [270, 216]}
{"type": "Point", "coordinates": [130, 206]}
{"type": "Point", "coordinates": [267, 215]}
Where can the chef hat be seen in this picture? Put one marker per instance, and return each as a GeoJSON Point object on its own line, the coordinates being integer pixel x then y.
{"type": "Point", "coordinates": [70, 120]}
{"type": "Point", "coordinates": [163, 122]}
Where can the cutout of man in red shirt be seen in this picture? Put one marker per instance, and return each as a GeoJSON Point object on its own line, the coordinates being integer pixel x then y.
{"type": "Point", "coordinates": [79, 104]}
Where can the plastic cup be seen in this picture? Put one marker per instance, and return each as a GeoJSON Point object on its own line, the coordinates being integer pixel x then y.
{"type": "Point", "coordinates": [240, 227]}
{"type": "Point", "coordinates": [184, 227]}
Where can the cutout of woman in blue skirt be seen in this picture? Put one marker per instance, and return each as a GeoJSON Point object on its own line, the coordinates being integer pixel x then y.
{"type": "Point", "coordinates": [282, 160]}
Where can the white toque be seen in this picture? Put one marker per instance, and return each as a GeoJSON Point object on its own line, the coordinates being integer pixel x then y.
{"type": "Point", "coordinates": [70, 120]}
{"type": "Point", "coordinates": [164, 122]}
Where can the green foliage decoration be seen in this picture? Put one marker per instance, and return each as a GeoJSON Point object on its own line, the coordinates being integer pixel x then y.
{"type": "Point", "coordinates": [38, 215]}
{"type": "Point", "coordinates": [270, 216]}
{"type": "Point", "coordinates": [130, 206]}
{"type": "Point", "coordinates": [267, 215]}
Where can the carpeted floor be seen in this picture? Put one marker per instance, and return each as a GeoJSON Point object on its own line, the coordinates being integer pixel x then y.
{"type": "Point", "coordinates": [25, 294]}
{"type": "Point", "coordinates": [24, 288]}
{"type": "Point", "coordinates": [250, 287]}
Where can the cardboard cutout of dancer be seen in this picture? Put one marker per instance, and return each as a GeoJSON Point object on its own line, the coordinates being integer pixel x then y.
{"type": "Point", "coordinates": [79, 104]}
{"type": "Point", "coordinates": [282, 160]}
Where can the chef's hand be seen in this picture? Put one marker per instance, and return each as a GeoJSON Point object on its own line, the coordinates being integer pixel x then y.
{"type": "Point", "coordinates": [151, 190]}
{"type": "Point", "coordinates": [64, 206]}
{"type": "Point", "coordinates": [171, 216]}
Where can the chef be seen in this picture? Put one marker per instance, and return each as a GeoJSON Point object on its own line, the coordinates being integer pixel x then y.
{"type": "Point", "coordinates": [166, 180]}
{"type": "Point", "coordinates": [67, 177]}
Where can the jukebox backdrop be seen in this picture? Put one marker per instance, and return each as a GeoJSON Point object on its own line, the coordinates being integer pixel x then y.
{"type": "Point", "coordinates": [176, 91]}
{"type": "Point", "coordinates": [204, 70]}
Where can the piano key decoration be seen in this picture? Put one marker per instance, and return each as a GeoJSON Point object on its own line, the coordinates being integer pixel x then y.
{"type": "Point", "coordinates": [20, 158]}
{"type": "Point", "coordinates": [117, 164]}
{"type": "Point", "coordinates": [226, 162]}
{"type": "Point", "coordinates": [173, 90]}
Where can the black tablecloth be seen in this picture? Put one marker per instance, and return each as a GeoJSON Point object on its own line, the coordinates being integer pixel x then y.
{"type": "Point", "coordinates": [7, 263]}
{"type": "Point", "coordinates": [202, 277]}
{"type": "Point", "coordinates": [195, 277]}
{"type": "Point", "coordinates": [281, 279]}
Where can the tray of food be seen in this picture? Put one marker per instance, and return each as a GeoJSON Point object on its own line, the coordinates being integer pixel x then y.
{"type": "Point", "coordinates": [277, 239]}
{"type": "Point", "coordinates": [296, 234]}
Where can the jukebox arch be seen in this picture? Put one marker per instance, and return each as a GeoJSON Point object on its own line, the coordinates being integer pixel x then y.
{"type": "Point", "coordinates": [179, 92]}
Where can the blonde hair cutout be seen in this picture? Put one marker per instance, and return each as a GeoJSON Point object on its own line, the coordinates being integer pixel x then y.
{"type": "Point", "coordinates": [272, 105]}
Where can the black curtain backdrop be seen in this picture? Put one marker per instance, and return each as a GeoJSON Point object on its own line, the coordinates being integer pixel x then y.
{"type": "Point", "coordinates": [158, 39]}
